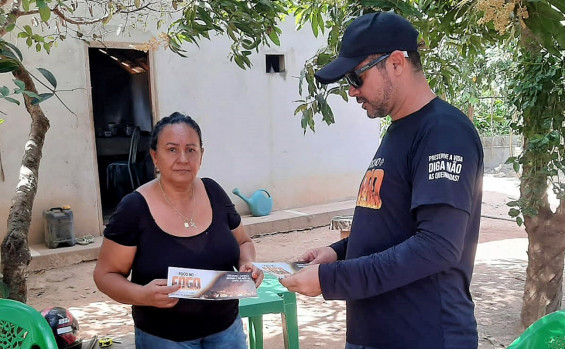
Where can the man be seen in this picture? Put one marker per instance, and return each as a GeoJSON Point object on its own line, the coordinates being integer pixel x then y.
{"type": "Point", "coordinates": [406, 267]}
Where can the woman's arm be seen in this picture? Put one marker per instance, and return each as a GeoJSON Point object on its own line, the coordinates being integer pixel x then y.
{"type": "Point", "coordinates": [247, 254]}
{"type": "Point", "coordinates": [111, 272]}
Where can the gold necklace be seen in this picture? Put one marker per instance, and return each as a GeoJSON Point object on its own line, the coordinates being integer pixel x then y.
{"type": "Point", "coordinates": [188, 223]}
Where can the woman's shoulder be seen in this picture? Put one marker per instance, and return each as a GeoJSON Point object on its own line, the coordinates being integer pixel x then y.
{"type": "Point", "coordinates": [213, 188]}
{"type": "Point", "coordinates": [210, 183]}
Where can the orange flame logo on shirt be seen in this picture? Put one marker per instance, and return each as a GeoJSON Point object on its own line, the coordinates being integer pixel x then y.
{"type": "Point", "coordinates": [369, 193]}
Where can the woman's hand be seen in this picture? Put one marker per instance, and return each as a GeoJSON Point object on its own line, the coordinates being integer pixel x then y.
{"type": "Point", "coordinates": [156, 294]}
{"type": "Point", "coordinates": [256, 273]}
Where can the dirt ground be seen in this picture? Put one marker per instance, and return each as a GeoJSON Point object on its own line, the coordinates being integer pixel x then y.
{"type": "Point", "coordinates": [497, 283]}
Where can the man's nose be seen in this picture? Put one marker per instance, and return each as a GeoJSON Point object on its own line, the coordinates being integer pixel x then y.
{"type": "Point", "coordinates": [353, 91]}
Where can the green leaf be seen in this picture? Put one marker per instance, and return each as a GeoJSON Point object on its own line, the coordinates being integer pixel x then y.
{"type": "Point", "coordinates": [20, 84]}
{"type": "Point", "coordinates": [4, 91]}
{"type": "Point", "coordinates": [8, 65]}
{"type": "Point", "coordinates": [239, 61]}
{"type": "Point", "coordinates": [47, 46]}
{"type": "Point", "coordinates": [513, 212]}
{"type": "Point", "coordinates": [44, 11]}
{"type": "Point", "coordinates": [12, 100]}
{"type": "Point", "coordinates": [42, 98]}
{"type": "Point", "coordinates": [31, 94]}
{"type": "Point", "coordinates": [300, 108]}
{"type": "Point", "coordinates": [15, 49]}
{"type": "Point", "coordinates": [314, 24]}
{"type": "Point", "coordinates": [25, 5]}
{"type": "Point", "coordinates": [274, 37]}
{"type": "Point", "coordinates": [49, 76]}
{"type": "Point", "coordinates": [1, 121]}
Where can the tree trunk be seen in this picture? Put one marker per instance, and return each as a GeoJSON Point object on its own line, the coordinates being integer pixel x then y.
{"type": "Point", "coordinates": [15, 250]}
{"type": "Point", "coordinates": [543, 290]}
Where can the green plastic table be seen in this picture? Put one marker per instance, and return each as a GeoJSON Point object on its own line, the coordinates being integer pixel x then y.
{"type": "Point", "coordinates": [273, 298]}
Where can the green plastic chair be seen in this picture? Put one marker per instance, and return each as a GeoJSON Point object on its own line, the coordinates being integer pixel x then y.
{"type": "Point", "coordinates": [546, 333]}
{"type": "Point", "coordinates": [273, 298]}
{"type": "Point", "coordinates": [21, 326]}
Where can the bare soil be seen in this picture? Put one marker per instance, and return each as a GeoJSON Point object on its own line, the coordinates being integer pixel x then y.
{"type": "Point", "coordinates": [497, 284]}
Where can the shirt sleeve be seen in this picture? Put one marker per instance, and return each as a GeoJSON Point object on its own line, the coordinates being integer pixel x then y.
{"type": "Point", "coordinates": [436, 246]}
{"type": "Point", "coordinates": [123, 227]}
{"type": "Point", "coordinates": [340, 248]}
{"type": "Point", "coordinates": [222, 198]}
{"type": "Point", "coordinates": [445, 165]}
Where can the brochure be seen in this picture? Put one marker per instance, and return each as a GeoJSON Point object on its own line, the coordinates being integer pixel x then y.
{"type": "Point", "coordinates": [211, 284]}
{"type": "Point", "coordinates": [281, 269]}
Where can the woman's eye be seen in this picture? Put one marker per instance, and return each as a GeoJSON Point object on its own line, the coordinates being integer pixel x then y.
{"type": "Point", "coordinates": [172, 150]}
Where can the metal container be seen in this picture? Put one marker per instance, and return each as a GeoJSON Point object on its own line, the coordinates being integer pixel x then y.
{"type": "Point", "coordinates": [59, 227]}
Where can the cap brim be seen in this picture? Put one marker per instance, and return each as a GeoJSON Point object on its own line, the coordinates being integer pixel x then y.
{"type": "Point", "coordinates": [336, 69]}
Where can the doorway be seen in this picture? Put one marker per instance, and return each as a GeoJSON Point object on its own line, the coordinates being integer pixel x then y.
{"type": "Point", "coordinates": [121, 102]}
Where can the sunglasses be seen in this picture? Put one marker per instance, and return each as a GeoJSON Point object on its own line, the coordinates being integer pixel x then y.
{"type": "Point", "coordinates": [354, 79]}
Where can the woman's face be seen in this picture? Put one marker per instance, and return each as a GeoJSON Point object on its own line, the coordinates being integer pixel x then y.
{"type": "Point", "coordinates": [179, 155]}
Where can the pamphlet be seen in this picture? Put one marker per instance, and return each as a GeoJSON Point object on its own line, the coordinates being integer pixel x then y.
{"type": "Point", "coordinates": [211, 284]}
{"type": "Point", "coordinates": [281, 269]}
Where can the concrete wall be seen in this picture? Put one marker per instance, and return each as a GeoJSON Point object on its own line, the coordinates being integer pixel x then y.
{"type": "Point", "coordinates": [498, 149]}
{"type": "Point", "coordinates": [251, 138]}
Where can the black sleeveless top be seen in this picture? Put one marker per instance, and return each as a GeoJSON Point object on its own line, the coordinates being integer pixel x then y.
{"type": "Point", "coordinates": [214, 249]}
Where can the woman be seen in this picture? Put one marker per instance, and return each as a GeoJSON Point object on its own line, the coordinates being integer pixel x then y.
{"type": "Point", "coordinates": [175, 220]}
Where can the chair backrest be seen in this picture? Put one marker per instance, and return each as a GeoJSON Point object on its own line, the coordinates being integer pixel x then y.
{"type": "Point", "coordinates": [136, 134]}
{"type": "Point", "coordinates": [21, 326]}
{"type": "Point", "coordinates": [546, 333]}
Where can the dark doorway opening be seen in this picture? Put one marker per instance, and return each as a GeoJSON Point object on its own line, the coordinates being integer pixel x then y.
{"type": "Point", "coordinates": [121, 103]}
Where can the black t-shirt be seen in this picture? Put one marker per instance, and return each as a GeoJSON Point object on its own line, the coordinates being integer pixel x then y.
{"type": "Point", "coordinates": [214, 249]}
{"type": "Point", "coordinates": [409, 258]}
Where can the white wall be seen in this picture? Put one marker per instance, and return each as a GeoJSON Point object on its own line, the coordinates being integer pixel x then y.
{"type": "Point", "coordinates": [252, 139]}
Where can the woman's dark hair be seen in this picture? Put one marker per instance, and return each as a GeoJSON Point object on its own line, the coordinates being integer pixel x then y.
{"type": "Point", "coordinates": [174, 118]}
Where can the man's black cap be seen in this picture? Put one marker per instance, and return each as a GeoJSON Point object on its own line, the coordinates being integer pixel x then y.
{"type": "Point", "coordinates": [380, 32]}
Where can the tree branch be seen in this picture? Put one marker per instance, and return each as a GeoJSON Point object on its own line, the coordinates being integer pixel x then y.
{"type": "Point", "coordinates": [80, 20]}
{"type": "Point", "coordinates": [15, 251]}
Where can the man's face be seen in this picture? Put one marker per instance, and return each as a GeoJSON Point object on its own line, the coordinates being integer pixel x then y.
{"type": "Point", "coordinates": [376, 91]}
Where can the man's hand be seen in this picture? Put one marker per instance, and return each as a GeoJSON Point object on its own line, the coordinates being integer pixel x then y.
{"type": "Point", "coordinates": [305, 282]}
{"type": "Point", "coordinates": [319, 255]}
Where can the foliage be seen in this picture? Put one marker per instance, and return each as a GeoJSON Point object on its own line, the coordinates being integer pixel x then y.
{"type": "Point", "coordinates": [492, 116]}
{"type": "Point", "coordinates": [248, 24]}
{"type": "Point", "coordinates": [444, 45]}
{"type": "Point", "coordinates": [539, 93]}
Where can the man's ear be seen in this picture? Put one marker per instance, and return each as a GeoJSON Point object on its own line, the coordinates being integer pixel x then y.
{"type": "Point", "coordinates": [398, 62]}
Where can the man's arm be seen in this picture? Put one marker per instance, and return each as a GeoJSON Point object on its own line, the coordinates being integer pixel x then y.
{"type": "Point", "coordinates": [436, 246]}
